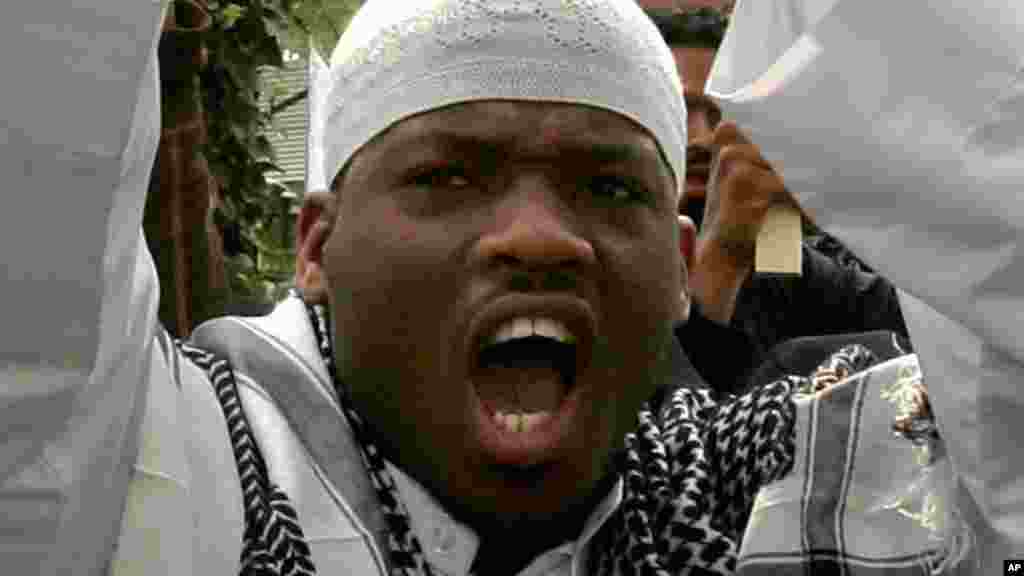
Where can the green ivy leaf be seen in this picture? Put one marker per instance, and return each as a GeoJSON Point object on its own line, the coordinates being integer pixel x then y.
{"type": "Point", "coordinates": [263, 148]}
{"type": "Point", "coordinates": [245, 37]}
{"type": "Point", "coordinates": [231, 14]}
{"type": "Point", "coordinates": [269, 52]}
{"type": "Point", "coordinates": [268, 167]}
{"type": "Point", "coordinates": [325, 20]}
{"type": "Point", "coordinates": [240, 132]}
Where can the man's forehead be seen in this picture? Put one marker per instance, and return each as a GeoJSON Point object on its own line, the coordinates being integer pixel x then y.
{"type": "Point", "coordinates": [526, 122]}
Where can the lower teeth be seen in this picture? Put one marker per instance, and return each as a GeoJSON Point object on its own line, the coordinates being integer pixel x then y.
{"type": "Point", "coordinates": [520, 422]}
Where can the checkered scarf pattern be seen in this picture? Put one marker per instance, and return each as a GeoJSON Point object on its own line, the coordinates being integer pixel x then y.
{"type": "Point", "coordinates": [691, 471]}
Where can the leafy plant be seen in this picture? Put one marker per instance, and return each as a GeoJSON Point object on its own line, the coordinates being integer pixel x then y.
{"type": "Point", "coordinates": [244, 38]}
{"type": "Point", "coordinates": [323, 21]}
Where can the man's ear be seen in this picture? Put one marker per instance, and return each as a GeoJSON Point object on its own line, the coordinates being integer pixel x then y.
{"type": "Point", "coordinates": [688, 258]}
{"type": "Point", "coordinates": [314, 226]}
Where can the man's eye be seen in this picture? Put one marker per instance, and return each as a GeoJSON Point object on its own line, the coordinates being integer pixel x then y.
{"type": "Point", "coordinates": [616, 189]}
{"type": "Point", "coordinates": [441, 177]}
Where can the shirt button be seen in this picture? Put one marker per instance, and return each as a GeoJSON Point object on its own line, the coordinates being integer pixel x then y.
{"type": "Point", "coordinates": [444, 539]}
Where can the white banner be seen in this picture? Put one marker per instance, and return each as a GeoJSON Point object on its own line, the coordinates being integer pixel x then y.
{"type": "Point", "coordinates": [900, 128]}
{"type": "Point", "coordinates": [79, 129]}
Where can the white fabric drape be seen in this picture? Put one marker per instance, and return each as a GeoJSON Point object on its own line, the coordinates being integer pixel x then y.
{"type": "Point", "coordinates": [79, 126]}
{"type": "Point", "coordinates": [900, 127]}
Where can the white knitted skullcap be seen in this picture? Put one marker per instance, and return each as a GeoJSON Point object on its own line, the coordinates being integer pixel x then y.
{"type": "Point", "coordinates": [399, 58]}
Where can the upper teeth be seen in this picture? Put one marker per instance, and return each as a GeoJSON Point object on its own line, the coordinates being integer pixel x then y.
{"type": "Point", "coordinates": [526, 327]}
{"type": "Point", "coordinates": [521, 422]}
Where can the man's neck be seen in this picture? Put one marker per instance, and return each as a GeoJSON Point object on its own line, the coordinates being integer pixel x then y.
{"type": "Point", "coordinates": [507, 550]}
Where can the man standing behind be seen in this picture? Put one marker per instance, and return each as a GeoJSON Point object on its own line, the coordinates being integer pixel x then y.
{"type": "Point", "coordinates": [835, 294]}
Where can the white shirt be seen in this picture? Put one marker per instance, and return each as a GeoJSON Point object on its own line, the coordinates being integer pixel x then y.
{"type": "Point", "coordinates": [451, 546]}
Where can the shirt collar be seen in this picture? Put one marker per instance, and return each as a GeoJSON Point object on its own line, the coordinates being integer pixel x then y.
{"type": "Point", "coordinates": [451, 546]}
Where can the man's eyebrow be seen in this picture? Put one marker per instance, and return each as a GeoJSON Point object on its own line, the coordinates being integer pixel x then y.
{"type": "Point", "coordinates": [601, 151]}
{"type": "Point", "coordinates": [613, 153]}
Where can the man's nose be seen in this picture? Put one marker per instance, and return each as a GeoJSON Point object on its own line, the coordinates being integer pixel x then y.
{"type": "Point", "coordinates": [535, 231]}
{"type": "Point", "coordinates": [699, 127]}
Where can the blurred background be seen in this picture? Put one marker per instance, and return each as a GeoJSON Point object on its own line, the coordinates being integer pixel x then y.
{"type": "Point", "coordinates": [231, 167]}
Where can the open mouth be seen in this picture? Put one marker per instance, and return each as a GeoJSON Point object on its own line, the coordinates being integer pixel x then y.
{"type": "Point", "coordinates": [697, 177]}
{"type": "Point", "coordinates": [525, 377]}
{"type": "Point", "coordinates": [698, 169]}
{"type": "Point", "coordinates": [527, 368]}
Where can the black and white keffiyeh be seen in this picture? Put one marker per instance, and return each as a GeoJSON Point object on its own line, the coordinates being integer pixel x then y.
{"type": "Point", "coordinates": [272, 543]}
{"type": "Point", "coordinates": [691, 471]}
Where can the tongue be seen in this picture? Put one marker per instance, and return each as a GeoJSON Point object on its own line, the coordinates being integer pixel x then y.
{"type": "Point", "coordinates": [520, 389]}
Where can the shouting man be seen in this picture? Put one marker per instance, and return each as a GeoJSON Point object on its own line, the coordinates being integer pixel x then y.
{"type": "Point", "coordinates": [492, 391]}
{"type": "Point", "coordinates": [835, 294]}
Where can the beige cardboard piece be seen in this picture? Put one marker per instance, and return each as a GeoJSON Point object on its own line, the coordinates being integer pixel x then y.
{"type": "Point", "coordinates": [778, 244]}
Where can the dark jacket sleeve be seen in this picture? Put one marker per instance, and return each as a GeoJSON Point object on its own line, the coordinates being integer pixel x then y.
{"type": "Point", "coordinates": [722, 355]}
{"type": "Point", "coordinates": [832, 296]}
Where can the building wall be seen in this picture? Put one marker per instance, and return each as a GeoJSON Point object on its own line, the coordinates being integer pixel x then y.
{"type": "Point", "coordinates": [290, 124]}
